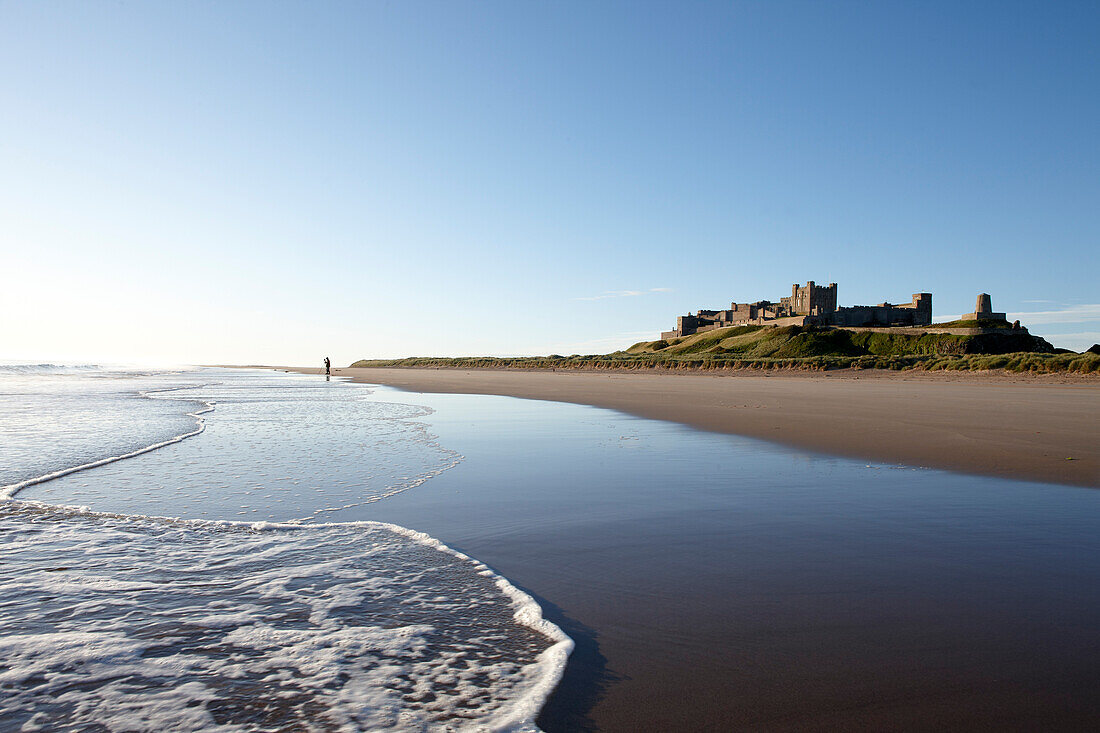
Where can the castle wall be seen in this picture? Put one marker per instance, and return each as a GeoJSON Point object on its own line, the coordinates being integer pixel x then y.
{"type": "Point", "coordinates": [781, 322]}
{"type": "Point", "coordinates": [920, 330]}
{"type": "Point", "coordinates": [916, 313]}
{"type": "Point", "coordinates": [808, 304]}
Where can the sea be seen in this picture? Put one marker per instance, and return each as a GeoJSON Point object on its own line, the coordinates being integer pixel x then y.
{"type": "Point", "coordinates": [175, 555]}
{"type": "Point", "coordinates": [252, 550]}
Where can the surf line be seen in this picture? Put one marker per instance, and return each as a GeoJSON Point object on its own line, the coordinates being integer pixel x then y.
{"type": "Point", "coordinates": [8, 492]}
{"type": "Point", "coordinates": [550, 663]}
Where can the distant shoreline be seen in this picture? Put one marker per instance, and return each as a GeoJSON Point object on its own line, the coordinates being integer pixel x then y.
{"type": "Point", "coordinates": [1017, 426]}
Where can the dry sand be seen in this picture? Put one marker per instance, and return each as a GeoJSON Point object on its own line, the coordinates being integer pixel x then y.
{"type": "Point", "coordinates": [1023, 427]}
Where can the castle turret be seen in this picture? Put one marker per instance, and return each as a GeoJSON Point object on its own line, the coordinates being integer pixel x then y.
{"type": "Point", "coordinates": [983, 310]}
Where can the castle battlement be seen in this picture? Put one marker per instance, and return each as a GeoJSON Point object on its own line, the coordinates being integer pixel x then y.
{"type": "Point", "coordinates": [810, 304]}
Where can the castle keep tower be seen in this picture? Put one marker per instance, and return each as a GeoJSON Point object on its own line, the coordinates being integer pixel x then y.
{"type": "Point", "coordinates": [811, 299]}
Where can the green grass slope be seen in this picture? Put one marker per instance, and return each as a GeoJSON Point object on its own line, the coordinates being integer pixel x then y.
{"type": "Point", "coordinates": [798, 347]}
{"type": "Point", "coordinates": [799, 342]}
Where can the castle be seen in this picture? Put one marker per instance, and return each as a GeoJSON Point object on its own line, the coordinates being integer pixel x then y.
{"type": "Point", "coordinates": [809, 304]}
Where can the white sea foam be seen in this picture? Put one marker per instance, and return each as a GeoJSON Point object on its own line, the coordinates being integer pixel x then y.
{"type": "Point", "coordinates": [283, 449]}
{"type": "Point", "coordinates": [24, 368]}
{"type": "Point", "coordinates": [136, 622]}
{"type": "Point", "coordinates": [141, 623]}
{"type": "Point", "coordinates": [9, 491]}
{"type": "Point", "coordinates": [49, 368]}
{"type": "Point", "coordinates": [54, 423]}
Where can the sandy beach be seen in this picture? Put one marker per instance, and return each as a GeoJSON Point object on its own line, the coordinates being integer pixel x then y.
{"type": "Point", "coordinates": [713, 582]}
{"type": "Point", "coordinates": [1019, 427]}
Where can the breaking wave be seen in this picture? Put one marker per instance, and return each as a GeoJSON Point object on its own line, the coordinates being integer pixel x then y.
{"type": "Point", "coordinates": [47, 368]}
{"type": "Point", "coordinates": [121, 621]}
{"type": "Point", "coordinates": [141, 623]}
{"type": "Point", "coordinates": [9, 491]}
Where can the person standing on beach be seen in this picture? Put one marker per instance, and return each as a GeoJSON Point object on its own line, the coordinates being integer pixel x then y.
{"type": "Point", "coordinates": [328, 366]}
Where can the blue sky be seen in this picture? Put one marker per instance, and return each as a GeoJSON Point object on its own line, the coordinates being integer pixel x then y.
{"type": "Point", "coordinates": [272, 182]}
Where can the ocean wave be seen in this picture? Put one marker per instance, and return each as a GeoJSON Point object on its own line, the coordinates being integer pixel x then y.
{"type": "Point", "coordinates": [116, 370]}
{"type": "Point", "coordinates": [136, 622]}
{"type": "Point", "coordinates": [315, 452]}
{"type": "Point", "coordinates": [146, 623]}
{"type": "Point", "coordinates": [47, 368]}
{"type": "Point", "coordinates": [10, 490]}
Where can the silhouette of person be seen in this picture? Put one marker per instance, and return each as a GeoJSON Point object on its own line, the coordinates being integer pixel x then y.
{"type": "Point", "coordinates": [328, 366]}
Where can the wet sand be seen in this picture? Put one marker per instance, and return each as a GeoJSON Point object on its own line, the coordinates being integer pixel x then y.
{"type": "Point", "coordinates": [714, 582]}
{"type": "Point", "coordinates": [718, 584]}
{"type": "Point", "coordinates": [1019, 427]}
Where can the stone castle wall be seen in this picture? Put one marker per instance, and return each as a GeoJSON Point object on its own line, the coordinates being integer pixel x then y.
{"type": "Point", "coordinates": [815, 305]}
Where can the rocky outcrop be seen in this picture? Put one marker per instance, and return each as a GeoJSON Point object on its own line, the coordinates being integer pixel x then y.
{"type": "Point", "coordinates": [1008, 342]}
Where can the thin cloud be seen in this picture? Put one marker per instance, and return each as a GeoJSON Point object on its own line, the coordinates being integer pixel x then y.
{"type": "Point", "coordinates": [1092, 337]}
{"type": "Point", "coordinates": [1073, 341]}
{"type": "Point", "coordinates": [1085, 313]}
{"type": "Point", "coordinates": [1073, 314]}
{"type": "Point", "coordinates": [624, 293]}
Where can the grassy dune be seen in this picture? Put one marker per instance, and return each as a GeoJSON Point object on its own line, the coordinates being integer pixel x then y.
{"type": "Point", "coordinates": [797, 347]}
{"type": "Point", "coordinates": [797, 342]}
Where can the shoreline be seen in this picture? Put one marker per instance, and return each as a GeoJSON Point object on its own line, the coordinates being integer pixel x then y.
{"type": "Point", "coordinates": [706, 579]}
{"type": "Point", "coordinates": [1027, 427]}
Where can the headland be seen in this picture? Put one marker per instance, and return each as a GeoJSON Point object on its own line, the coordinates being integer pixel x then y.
{"type": "Point", "coordinates": [873, 382]}
{"type": "Point", "coordinates": [808, 331]}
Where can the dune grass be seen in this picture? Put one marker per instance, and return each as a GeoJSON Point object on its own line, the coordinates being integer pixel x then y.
{"type": "Point", "coordinates": [1017, 362]}
{"type": "Point", "coordinates": [800, 347]}
{"type": "Point", "coordinates": [800, 342]}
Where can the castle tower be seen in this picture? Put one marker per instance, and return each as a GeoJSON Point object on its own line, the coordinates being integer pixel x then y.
{"type": "Point", "coordinates": [983, 310]}
{"type": "Point", "coordinates": [812, 299]}
{"type": "Point", "coordinates": [922, 303]}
